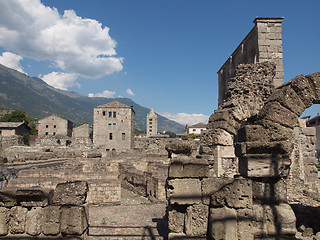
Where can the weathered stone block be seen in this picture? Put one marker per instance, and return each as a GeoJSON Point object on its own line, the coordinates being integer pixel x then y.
{"type": "Point", "coordinates": [4, 220]}
{"type": "Point", "coordinates": [279, 148]}
{"type": "Point", "coordinates": [245, 224]}
{"type": "Point", "coordinates": [273, 111]}
{"type": "Point", "coordinates": [32, 197]}
{"type": "Point", "coordinates": [223, 125]}
{"type": "Point", "coordinates": [17, 219]}
{"type": "Point", "coordinates": [211, 185]}
{"type": "Point", "coordinates": [176, 216]}
{"type": "Point", "coordinates": [188, 168]}
{"type": "Point", "coordinates": [70, 193]}
{"type": "Point", "coordinates": [264, 167]}
{"type": "Point", "coordinates": [178, 148]}
{"type": "Point", "coordinates": [184, 191]}
{"type": "Point", "coordinates": [34, 221]}
{"type": "Point", "coordinates": [224, 115]}
{"type": "Point", "coordinates": [196, 223]}
{"type": "Point", "coordinates": [8, 197]}
{"type": "Point", "coordinates": [286, 219]}
{"type": "Point", "coordinates": [237, 194]}
{"type": "Point", "coordinates": [264, 220]}
{"type": "Point", "coordinates": [268, 131]}
{"type": "Point", "coordinates": [269, 191]}
{"type": "Point", "coordinates": [288, 98]}
{"type": "Point", "coordinates": [73, 220]}
{"type": "Point", "coordinates": [51, 216]}
{"type": "Point", "coordinates": [300, 84]}
{"type": "Point", "coordinates": [314, 81]}
{"type": "Point", "coordinates": [223, 223]}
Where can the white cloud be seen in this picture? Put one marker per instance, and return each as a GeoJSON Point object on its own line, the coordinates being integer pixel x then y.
{"type": "Point", "coordinates": [74, 44]}
{"type": "Point", "coordinates": [106, 94]}
{"type": "Point", "coordinates": [129, 92]}
{"type": "Point", "coordinates": [186, 118]}
{"type": "Point", "coordinates": [11, 60]}
{"type": "Point", "coordinates": [60, 80]}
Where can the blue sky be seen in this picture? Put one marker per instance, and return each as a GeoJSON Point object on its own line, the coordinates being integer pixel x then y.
{"type": "Point", "coordinates": [162, 54]}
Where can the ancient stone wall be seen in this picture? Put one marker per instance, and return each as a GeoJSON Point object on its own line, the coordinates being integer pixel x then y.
{"type": "Point", "coordinates": [254, 205]}
{"type": "Point", "coordinates": [37, 213]}
{"type": "Point", "coordinates": [246, 94]}
{"type": "Point", "coordinates": [149, 183]}
{"type": "Point", "coordinates": [263, 43]}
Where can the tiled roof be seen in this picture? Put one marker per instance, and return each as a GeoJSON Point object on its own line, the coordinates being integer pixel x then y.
{"type": "Point", "coordinates": [10, 124]}
{"type": "Point", "coordinates": [199, 125]}
{"type": "Point", "coordinates": [114, 104]}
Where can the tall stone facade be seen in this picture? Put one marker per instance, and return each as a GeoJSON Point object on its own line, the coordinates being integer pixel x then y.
{"type": "Point", "coordinates": [113, 126]}
{"type": "Point", "coordinates": [263, 43]}
{"type": "Point", "coordinates": [152, 124]}
{"type": "Point", "coordinates": [54, 125]}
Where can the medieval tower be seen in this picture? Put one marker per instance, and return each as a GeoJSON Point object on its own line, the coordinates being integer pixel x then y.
{"type": "Point", "coordinates": [152, 124]}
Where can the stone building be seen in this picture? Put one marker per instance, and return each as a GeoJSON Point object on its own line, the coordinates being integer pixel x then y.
{"type": "Point", "coordinates": [113, 126]}
{"type": "Point", "coordinates": [10, 129]}
{"type": "Point", "coordinates": [82, 131]}
{"type": "Point", "coordinates": [54, 125]}
{"type": "Point", "coordinates": [263, 43]}
{"type": "Point", "coordinates": [196, 129]}
{"type": "Point", "coordinates": [152, 124]}
{"type": "Point", "coordinates": [315, 122]}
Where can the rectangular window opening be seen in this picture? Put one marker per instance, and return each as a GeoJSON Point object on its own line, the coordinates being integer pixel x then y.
{"type": "Point", "coordinates": [123, 136]}
{"type": "Point", "coordinates": [110, 136]}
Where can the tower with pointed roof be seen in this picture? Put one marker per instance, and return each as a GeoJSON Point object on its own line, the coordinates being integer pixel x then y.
{"type": "Point", "coordinates": [152, 124]}
{"type": "Point", "coordinates": [113, 126]}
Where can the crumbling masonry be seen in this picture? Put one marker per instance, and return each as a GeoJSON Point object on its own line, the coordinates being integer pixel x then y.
{"type": "Point", "coordinates": [241, 184]}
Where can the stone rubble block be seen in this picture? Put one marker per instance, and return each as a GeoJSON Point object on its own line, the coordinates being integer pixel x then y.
{"type": "Point", "coordinates": [288, 98]}
{"type": "Point", "coordinates": [73, 220]}
{"type": "Point", "coordinates": [273, 111]}
{"type": "Point", "coordinates": [178, 148]}
{"type": "Point", "coordinates": [314, 81]}
{"type": "Point", "coordinates": [189, 168]}
{"type": "Point", "coordinates": [4, 220]}
{"type": "Point", "coordinates": [70, 193]}
{"type": "Point", "coordinates": [34, 221]}
{"type": "Point", "coordinates": [245, 225]}
{"type": "Point", "coordinates": [269, 191]}
{"type": "Point", "coordinates": [211, 185]}
{"type": "Point", "coordinates": [237, 194]}
{"type": "Point", "coordinates": [264, 167]}
{"type": "Point", "coordinates": [184, 191]}
{"type": "Point", "coordinates": [223, 223]}
{"type": "Point", "coordinates": [51, 216]}
{"type": "Point", "coordinates": [176, 216]}
{"type": "Point", "coordinates": [300, 84]}
{"type": "Point", "coordinates": [196, 222]}
{"type": "Point", "coordinates": [17, 219]}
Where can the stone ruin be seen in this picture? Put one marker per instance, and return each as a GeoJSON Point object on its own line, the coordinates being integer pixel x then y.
{"type": "Point", "coordinates": [250, 180]}
{"type": "Point", "coordinates": [40, 214]}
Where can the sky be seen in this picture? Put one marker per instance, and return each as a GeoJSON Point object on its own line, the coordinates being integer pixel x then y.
{"type": "Point", "coordinates": [162, 54]}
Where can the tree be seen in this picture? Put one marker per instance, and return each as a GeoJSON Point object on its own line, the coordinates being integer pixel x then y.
{"type": "Point", "coordinates": [21, 116]}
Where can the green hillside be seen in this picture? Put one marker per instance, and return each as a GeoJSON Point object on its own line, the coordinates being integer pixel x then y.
{"type": "Point", "coordinates": [38, 99]}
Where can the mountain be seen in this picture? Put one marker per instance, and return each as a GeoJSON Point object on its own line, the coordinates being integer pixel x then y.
{"type": "Point", "coordinates": [38, 99]}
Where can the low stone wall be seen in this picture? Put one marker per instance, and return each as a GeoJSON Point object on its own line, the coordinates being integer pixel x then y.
{"type": "Point", "coordinates": [142, 182]}
{"type": "Point", "coordinates": [105, 188]}
{"type": "Point", "coordinates": [37, 213]}
{"type": "Point", "coordinates": [203, 207]}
